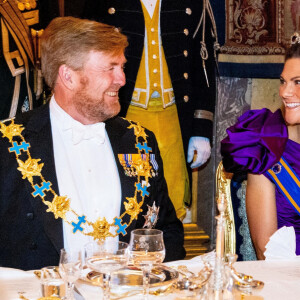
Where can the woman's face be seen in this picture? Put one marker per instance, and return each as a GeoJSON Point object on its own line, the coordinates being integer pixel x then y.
{"type": "Point", "coordinates": [289, 90]}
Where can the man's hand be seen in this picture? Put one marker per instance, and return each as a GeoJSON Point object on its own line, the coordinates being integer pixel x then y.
{"type": "Point", "coordinates": [202, 146]}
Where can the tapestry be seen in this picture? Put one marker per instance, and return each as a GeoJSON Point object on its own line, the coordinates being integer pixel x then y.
{"type": "Point", "coordinates": [257, 33]}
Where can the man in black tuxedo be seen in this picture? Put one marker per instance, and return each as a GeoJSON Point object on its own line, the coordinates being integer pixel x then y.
{"type": "Point", "coordinates": [71, 171]}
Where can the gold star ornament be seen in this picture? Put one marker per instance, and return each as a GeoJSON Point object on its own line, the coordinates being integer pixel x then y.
{"type": "Point", "coordinates": [59, 206]}
{"type": "Point", "coordinates": [11, 130]}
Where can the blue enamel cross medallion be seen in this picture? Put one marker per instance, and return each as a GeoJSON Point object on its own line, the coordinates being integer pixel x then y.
{"type": "Point", "coordinates": [23, 146]}
{"type": "Point", "coordinates": [39, 190]}
{"type": "Point", "coordinates": [77, 226]}
{"type": "Point", "coordinates": [118, 222]}
{"type": "Point", "coordinates": [144, 147]}
{"type": "Point", "coordinates": [142, 189]}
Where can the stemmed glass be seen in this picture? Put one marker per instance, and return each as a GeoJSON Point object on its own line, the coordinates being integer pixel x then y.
{"type": "Point", "coordinates": [146, 249]}
{"type": "Point", "coordinates": [106, 258]}
{"type": "Point", "coordinates": [70, 266]}
{"type": "Point", "coordinates": [52, 285]}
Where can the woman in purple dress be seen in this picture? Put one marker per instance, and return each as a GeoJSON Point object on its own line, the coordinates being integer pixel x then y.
{"type": "Point", "coordinates": [265, 145]}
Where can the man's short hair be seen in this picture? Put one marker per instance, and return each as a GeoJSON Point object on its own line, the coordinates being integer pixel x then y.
{"type": "Point", "coordinates": [68, 40]}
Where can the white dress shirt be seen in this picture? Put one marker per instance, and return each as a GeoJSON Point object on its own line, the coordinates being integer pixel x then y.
{"type": "Point", "coordinates": [86, 171]}
{"type": "Point", "coordinates": [150, 6]}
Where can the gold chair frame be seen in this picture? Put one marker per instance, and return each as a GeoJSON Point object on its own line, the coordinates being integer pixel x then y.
{"type": "Point", "coordinates": [223, 180]}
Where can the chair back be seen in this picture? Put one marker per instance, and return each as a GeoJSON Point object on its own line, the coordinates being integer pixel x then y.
{"type": "Point", "coordinates": [223, 180]}
{"type": "Point", "coordinates": [237, 233]}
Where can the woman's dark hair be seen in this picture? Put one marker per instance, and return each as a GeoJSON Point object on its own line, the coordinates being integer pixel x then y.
{"type": "Point", "coordinates": [294, 50]}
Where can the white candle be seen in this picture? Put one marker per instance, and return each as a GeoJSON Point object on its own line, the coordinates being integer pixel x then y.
{"type": "Point", "coordinates": [220, 238]}
{"type": "Point", "coordinates": [220, 227]}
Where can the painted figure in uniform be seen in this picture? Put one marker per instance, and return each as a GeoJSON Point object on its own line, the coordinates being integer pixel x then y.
{"type": "Point", "coordinates": [170, 73]}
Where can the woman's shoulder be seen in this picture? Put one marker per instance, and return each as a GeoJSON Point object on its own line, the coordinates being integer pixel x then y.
{"type": "Point", "coordinates": [255, 142]}
{"type": "Point", "coordinates": [257, 119]}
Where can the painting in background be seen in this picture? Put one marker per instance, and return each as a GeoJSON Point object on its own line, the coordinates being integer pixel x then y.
{"type": "Point", "coordinates": [291, 18]}
{"type": "Point", "coordinates": [257, 34]}
{"type": "Point", "coordinates": [260, 26]}
{"type": "Point", "coordinates": [253, 27]}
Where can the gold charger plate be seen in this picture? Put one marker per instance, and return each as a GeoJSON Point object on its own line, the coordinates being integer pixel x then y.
{"type": "Point", "coordinates": [133, 277]}
{"type": "Point", "coordinates": [253, 284]}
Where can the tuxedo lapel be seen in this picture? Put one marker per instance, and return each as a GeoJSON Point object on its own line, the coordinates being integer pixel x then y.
{"type": "Point", "coordinates": [38, 133]}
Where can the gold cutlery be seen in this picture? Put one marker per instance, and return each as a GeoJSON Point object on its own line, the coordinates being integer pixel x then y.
{"type": "Point", "coordinates": [21, 296]}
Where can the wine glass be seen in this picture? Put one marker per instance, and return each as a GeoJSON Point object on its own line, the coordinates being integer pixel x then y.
{"type": "Point", "coordinates": [52, 285]}
{"type": "Point", "coordinates": [70, 266]}
{"type": "Point", "coordinates": [106, 257]}
{"type": "Point", "coordinates": [146, 249]}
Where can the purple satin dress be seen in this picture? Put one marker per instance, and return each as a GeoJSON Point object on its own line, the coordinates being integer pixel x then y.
{"type": "Point", "coordinates": [254, 144]}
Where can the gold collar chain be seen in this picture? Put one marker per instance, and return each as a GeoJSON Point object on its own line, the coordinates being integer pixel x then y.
{"type": "Point", "coordinates": [31, 169]}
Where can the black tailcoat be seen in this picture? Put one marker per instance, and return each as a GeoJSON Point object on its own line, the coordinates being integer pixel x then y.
{"type": "Point", "coordinates": [31, 238]}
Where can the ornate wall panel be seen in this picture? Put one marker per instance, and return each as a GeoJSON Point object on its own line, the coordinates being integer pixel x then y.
{"type": "Point", "coordinates": [260, 26]}
{"type": "Point", "coordinates": [254, 27]}
{"type": "Point", "coordinates": [257, 34]}
{"type": "Point", "coordinates": [234, 98]}
{"type": "Point", "coordinates": [291, 18]}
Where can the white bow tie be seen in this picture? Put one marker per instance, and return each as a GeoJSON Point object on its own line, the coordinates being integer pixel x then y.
{"type": "Point", "coordinates": [94, 132]}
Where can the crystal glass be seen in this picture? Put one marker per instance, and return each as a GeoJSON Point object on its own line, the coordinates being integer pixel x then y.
{"type": "Point", "coordinates": [70, 266]}
{"type": "Point", "coordinates": [52, 285]}
{"type": "Point", "coordinates": [106, 257]}
{"type": "Point", "coordinates": [146, 249]}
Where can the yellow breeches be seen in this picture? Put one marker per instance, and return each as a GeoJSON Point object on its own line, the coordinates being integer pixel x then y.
{"type": "Point", "coordinates": [165, 125]}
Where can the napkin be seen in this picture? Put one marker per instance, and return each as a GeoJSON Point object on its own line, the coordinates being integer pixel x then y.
{"type": "Point", "coordinates": [196, 263]}
{"type": "Point", "coordinates": [13, 281]}
{"type": "Point", "coordinates": [282, 245]}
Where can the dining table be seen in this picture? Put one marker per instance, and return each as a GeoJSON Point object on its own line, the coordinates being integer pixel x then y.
{"type": "Point", "coordinates": [281, 280]}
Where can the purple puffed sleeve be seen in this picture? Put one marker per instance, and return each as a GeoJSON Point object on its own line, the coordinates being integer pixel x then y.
{"type": "Point", "coordinates": [255, 143]}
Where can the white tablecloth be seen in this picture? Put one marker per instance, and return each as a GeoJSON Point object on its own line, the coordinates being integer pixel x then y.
{"type": "Point", "coordinates": [281, 278]}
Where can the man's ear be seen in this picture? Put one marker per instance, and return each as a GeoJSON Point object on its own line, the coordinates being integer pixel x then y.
{"type": "Point", "coordinates": [67, 76]}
